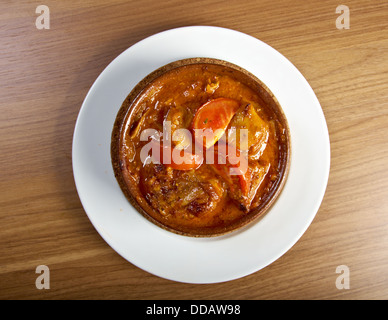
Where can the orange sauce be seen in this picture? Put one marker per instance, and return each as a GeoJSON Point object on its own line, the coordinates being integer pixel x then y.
{"type": "Point", "coordinates": [202, 200]}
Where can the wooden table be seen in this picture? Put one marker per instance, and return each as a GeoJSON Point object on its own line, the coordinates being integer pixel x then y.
{"type": "Point", "coordinates": [45, 75]}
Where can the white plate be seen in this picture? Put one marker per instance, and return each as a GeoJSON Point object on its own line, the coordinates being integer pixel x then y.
{"type": "Point", "coordinates": [200, 260]}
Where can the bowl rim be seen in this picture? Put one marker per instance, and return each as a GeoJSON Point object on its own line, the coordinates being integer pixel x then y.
{"type": "Point", "coordinates": [127, 108]}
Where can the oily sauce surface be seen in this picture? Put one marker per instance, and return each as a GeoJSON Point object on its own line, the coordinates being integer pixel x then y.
{"type": "Point", "coordinates": [206, 198]}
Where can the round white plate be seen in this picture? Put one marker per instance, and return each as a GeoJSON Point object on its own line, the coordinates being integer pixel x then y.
{"type": "Point", "coordinates": [200, 260]}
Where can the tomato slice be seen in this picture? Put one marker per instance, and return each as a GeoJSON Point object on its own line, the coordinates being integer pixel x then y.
{"type": "Point", "coordinates": [229, 166]}
{"type": "Point", "coordinates": [214, 117]}
{"type": "Point", "coordinates": [245, 182]}
{"type": "Point", "coordinates": [175, 158]}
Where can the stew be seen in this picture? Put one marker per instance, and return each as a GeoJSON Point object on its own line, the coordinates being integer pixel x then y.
{"type": "Point", "coordinates": [202, 148]}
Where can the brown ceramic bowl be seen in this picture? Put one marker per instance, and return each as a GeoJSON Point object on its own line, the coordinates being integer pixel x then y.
{"type": "Point", "coordinates": [203, 201]}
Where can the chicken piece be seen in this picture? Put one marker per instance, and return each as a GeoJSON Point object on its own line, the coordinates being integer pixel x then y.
{"type": "Point", "coordinates": [256, 133]}
{"type": "Point", "coordinates": [212, 86]}
{"type": "Point", "coordinates": [243, 180]}
{"type": "Point", "coordinates": [184, 194]}
{"type": "Point", "coordinates": [178, 119]}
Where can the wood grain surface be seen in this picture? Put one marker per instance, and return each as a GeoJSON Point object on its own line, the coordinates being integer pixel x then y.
{"type": "Point", "coordinates": [45, 75]}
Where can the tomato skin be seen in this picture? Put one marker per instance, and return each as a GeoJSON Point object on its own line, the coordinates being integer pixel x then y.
{"type": "Point", "coordinates": [231, 162]}
{"type": "Point", "coordinates": [214, 116]}
{"type": "Point", "coordinates": [245, 182]}
{"type": "Point", "coordinates": [165, 155]}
